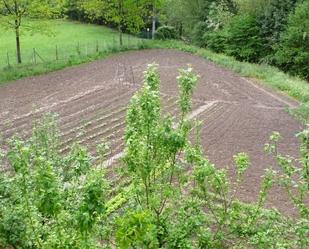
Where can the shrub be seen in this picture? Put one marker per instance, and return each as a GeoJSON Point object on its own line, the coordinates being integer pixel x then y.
{"type": "Point", "coordinates": [243, 40]}
{"type": "Point", "coordinates": [293, 50]}
{"type": "Point", "coordinates": [166, 33]}
{"type": "Point", "coordinates": [40, 205]}
{"type": "Point", "coordinates": [215, 40]}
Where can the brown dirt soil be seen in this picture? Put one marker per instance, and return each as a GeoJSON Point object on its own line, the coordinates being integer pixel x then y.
{"type": "Point", "coordinates": [91, 100]}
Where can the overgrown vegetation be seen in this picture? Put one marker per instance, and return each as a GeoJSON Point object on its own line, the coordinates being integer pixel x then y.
{"type": "Point", "coordinates": [172, 196]}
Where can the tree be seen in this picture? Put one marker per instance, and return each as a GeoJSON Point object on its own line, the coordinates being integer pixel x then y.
{"type": "Point", "coordinates": [125, 14]}
{"type": "Point", "coordinates": [174, 13]}
{"type": "Point", "coordinates": [14, 12]}
{"type": "Point", "coordinates": [155, 6]}
{"type": "Point", "coordinates": [273, 20]}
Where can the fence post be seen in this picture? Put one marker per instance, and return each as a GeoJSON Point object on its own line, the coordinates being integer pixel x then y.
{"type": "Point", "coordinates": [78, 49]}
{"type": "Point", "coordinates": [97, 47]}
{"type": "Point", "coordinates": [57, 58]}
{"type": "Point", "coordinates": [8, 59]}
{"type": "Point", "coordinates": [34, 56]}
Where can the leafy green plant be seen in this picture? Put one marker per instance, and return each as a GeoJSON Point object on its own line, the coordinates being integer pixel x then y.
{"type": "Point", "coordinates": [48, 200]}
{"type": "Point", "coordinates": [243, 38]}
{"type": "Point", "coordinates": [293, 50]}
{"type": "Point", "coordinates": [153, 146]}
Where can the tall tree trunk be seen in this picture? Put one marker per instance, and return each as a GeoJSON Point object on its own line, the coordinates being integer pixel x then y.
{"type": "Point", "coordinates": [153, 22]}
{"type": "Point", "coordinates": [180, 30]}
{"type": "Point", "coordinates": [17, 35]}
{"type": "Point", "coordinates": [120, 9]}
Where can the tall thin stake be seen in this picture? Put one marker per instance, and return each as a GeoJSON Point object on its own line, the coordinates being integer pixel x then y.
{"type": "Point", "coordinates": [57, 57]}
{"type": "Point", "coordinates": [8, 59]}
{"type": "Point", "coordinates": [34, 56]}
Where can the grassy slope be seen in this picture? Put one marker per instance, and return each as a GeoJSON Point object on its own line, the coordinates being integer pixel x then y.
{"type": "Point", "coordinates": [66, 35]}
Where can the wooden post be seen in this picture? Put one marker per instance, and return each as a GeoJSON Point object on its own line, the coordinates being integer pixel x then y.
{"type": "Point", "coordinates": [57, 57]}
{"type": "Point", "coordinates": [8, 59]}
{"type": "Point", "coordinates": [78, 49]}
{"type": "Point", "coordinates": [34, 56]}
{"type": "Point", "coordinates": [97, 47]}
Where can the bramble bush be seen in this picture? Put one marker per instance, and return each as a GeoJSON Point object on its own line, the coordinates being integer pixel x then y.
{"type": "Point", "coordinates": [169, 195]}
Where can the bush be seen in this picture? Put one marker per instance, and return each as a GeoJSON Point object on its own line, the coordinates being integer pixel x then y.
{"type": "Point", "coordinates": [166, 33]}
{"type": "Point", "coordinates": [243, 40]}
{"type": "Point", "coordinates": [215, 40]}
{"type": "Point", "coordinates": [293, 50]}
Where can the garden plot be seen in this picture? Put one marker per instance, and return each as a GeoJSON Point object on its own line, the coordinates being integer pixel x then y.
{"type": "Point", "coordinates": [91, 101]}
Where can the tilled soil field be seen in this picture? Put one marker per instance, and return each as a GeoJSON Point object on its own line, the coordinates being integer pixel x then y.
{"type": "Point", "coordinates": [91, 101]}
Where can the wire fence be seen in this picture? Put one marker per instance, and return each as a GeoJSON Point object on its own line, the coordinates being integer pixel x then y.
{"type": "Point", "coordinates": [60, 53]}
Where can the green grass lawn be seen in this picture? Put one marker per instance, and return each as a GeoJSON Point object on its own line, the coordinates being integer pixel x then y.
{"type": "Point", "coordinates": [69, 37]}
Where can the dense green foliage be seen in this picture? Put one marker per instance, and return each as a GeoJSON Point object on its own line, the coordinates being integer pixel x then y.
{"type": "Point", "coordinates": [292, 52]}
{"type": "Point", "coordinates": [242, 40]}
{"type": "Point", "coordinates": [169, 195]}
{"type": "Point", "coordinates": [124, 14]}
{"type": "Point", "coordinates": [273, 20]}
